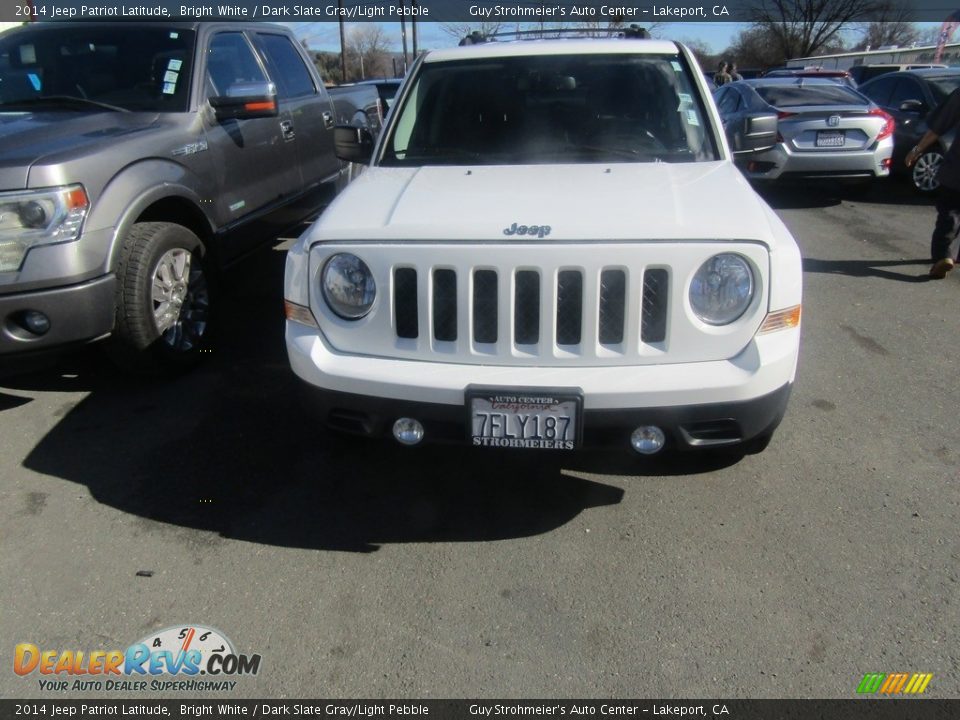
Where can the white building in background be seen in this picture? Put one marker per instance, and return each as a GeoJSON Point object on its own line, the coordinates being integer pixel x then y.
{"type": "Point", "coordinates": [903, 56]}
{"type": "Point", "coordinates": [8, 25]}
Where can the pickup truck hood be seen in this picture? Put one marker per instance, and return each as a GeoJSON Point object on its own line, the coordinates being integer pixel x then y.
{"type": "Point", "coordinates": [27, 138]}
{"type": "Point", "coordinates": [616, 201]}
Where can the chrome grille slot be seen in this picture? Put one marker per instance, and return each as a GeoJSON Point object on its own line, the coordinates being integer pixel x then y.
{"type": "Point", "coordinates": [485, 316]}
{"type": "Point", "coordinates": [526, 318]}
{"type": "Point", "coordinates": [613, 305]}
{"type": "Point", "coordinates": [445, 305]}
{"type": "Point", "coordinates": [569, 307]}
{"type": "Point", "coordinates": [656, 295]}
{"type": "Point", "coordinates": [405, 302]}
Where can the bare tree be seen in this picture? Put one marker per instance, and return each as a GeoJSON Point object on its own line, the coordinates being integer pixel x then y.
{"type": "Point", "coordinates": [369, 50]}
{"type": "Point", "coordinates": [800, 28]}
{"type": "Point", "coordinates": [459, 31]}
{"type": "Point", "coordinates": [893, 26]}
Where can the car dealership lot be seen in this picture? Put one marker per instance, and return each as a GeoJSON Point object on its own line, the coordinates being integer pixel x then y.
{"type": "Point", "coordinates": [361, 569]}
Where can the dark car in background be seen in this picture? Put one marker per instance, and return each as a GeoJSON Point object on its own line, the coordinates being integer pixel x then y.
{"type": "Point", "coordinates": [818, 128]}
{"type": "Point", "coordinates": [863, 73]}
{"type": "Point", "coordinates": [910, 97]}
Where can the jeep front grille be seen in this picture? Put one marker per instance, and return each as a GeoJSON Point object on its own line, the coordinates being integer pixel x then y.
{"type": "Point", "coordinates": [569, 301]}
{"type": "Point", "coordinates": [589, 304]}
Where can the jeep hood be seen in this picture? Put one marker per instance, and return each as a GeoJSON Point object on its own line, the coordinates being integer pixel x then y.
{"type": "Point", "coordinates": [28, 138]}
{"type": "Point", "coordinates": [615, 201]}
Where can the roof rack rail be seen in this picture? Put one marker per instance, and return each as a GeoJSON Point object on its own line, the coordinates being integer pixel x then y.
{"type": "Point", "coordinates": [633, 32]}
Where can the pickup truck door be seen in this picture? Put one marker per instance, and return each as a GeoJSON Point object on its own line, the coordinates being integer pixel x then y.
{"type": "Point", "coordinates": [254, 159]}
{"type": "Point", "coordinates": [311, 109]}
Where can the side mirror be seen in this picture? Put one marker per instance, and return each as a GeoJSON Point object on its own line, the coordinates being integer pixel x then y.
{"type": "Point", "coordinates": [353, 144]}
{"type": "Point", "coordinates": [246, 100]}
{"type": "Point", "coordinates": [758, 132]}
{"type": "Point", "coordinates": [913, 106]}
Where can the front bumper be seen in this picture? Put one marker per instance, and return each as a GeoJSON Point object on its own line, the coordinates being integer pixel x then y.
{"type": "Point", "coordinates": [696, 404]}
{"type": "Point", "coordinates": [77, 313]}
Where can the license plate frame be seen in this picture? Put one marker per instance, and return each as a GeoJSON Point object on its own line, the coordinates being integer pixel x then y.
{"type": "Point", "coordinates": [831, 138]}
{"type": "Point", "coordinates": [529, 403]}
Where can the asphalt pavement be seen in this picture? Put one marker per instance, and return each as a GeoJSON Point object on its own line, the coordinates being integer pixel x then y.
{"type": "Point", "coordinates": [362, 569]}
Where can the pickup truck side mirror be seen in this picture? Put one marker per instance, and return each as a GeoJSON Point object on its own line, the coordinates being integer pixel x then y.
{"type": "Point", "coordinates": [353, 144]}
{"type": "Point", "coordinates": [246, 100]}
{"type": "Point", "coordinates": [913, 106]}
{"type": "Point", "coordinates": [756, 133]}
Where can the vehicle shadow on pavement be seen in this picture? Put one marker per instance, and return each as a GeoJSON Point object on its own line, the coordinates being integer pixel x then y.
{"type": "Point", "coordinates": [229, 448]}
{"type": "Point", "coordinates": [869, 268]}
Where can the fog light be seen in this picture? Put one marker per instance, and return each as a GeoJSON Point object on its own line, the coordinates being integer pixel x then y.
{"type": "Point", "coordinates": [408, 431]}
{"type": "Point", "coordinates": [647, 439]}
{"type": "Point", "coordinates": [36, 322]}
{"type": "Point", "coordinates": [887, 163]}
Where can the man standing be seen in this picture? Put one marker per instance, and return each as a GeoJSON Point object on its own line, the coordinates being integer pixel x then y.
{"type": "Point", "coordinates": [945, 117]}
{"type": "Point", "coordinates": [721, 76]}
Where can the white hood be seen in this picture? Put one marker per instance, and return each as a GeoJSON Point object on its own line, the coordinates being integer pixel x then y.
{"type": "Point", "coordinates": [615, 201]}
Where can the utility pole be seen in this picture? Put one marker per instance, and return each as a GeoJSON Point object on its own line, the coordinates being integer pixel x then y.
{"type": "Point", "coordinates": [403, 36]}
{"type": "Point", "coordinates": [413, 26]}
{"type": "Point", "coordinates": [343, 45]}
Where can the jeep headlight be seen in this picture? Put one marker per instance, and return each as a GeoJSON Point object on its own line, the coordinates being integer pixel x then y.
{"type": "Point", "coordinates": [348, 286]}
{"type": "Point", "coordinates": [39, 217]}
{"type": "Point", "coordinates": [722, 289]}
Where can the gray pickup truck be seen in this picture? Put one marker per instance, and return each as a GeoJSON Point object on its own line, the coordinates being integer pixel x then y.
{"type": "Point", "coordinates": [136, 160]}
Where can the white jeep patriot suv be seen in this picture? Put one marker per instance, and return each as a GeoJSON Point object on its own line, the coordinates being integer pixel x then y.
{"type": "Point", "coordinates": [550, 249]}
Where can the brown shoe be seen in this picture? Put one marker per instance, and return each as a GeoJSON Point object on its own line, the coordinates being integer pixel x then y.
{"type": "Point", "coordinates": [941, 268]}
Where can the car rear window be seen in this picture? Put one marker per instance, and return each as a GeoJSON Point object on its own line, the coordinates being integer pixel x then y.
{"type": "Point", "coordinates": [798, 95]}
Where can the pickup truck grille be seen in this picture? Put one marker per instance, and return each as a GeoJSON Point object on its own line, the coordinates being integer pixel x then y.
{"type": "Point", "coordinates": [610, 304]}
{"type": "Point", "coordinates": [589, 304]}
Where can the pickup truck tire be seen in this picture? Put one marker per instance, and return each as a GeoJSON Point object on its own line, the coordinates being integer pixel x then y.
{"type": "Point", "coordinates": [163, 300]}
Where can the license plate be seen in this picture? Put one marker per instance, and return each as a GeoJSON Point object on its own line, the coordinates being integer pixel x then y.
{"type": "Point", "coordinates": [538, 419]}
{"type": "Point", "coordinates": [830, 138]}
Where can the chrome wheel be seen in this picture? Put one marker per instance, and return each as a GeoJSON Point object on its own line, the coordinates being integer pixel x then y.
{"type": "Point", "coordinates": [925, 171]}
{"type": "Point", "coordinates": [181, 299]}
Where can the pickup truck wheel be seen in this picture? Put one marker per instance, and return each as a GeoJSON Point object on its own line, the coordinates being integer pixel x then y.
{"type": "Point", "coordinates": [163, 299]}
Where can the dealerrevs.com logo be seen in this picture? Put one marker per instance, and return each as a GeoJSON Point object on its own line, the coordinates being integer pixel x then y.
{"type": "Point", "coordinates": [189, 658]}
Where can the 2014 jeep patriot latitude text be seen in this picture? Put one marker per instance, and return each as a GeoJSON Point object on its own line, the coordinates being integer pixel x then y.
{"type": "Point", "coordinates": [551, 248]}
{"type": "Point", "coordinates": [135, 158]}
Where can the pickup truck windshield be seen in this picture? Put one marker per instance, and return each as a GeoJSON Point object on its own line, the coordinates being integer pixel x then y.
{"type": "Point", "coordinates": [551, 109]}
{"type": "Point", "coordinates": [96, 68]}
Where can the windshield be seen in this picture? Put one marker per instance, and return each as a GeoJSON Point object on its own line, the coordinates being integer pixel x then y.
{"type": "Point", "coordinates": [551, 109]}
{"type": "Point", "coordinates": [96, 67]}
{"type": "Point", "coordinates": [800, 95]}
{"type": "Point", "coordinates": [941, 87]}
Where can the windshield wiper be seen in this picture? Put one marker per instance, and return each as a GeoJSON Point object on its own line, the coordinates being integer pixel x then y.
{"type": "Point", "coordinates": [62, 101]}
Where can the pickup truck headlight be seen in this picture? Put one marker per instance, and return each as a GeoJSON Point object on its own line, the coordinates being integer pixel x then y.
{"type": "Point", "coordinates": [348, 286]}
{"type": "Point", "coordinates": [39, 217]}
{"type": "Point", "coordinates": [722, 289]}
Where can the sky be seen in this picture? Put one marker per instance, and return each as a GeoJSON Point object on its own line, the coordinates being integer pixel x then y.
{"type": "Point", "coordinates": [717, 35]}
{"type": "Point", "coordinates": [326, 35]}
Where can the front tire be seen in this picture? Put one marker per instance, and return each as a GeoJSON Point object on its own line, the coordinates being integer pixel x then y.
{"type": "Point", "coordinates": [163, 300]}
{"type": "Point", "coordinates": [923, 175]}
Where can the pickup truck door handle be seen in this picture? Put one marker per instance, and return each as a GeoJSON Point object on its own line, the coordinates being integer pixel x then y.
{"type": "Point", "coordinates": [287, 128]}
{"type": "Point", "coordinates": [328, 120]}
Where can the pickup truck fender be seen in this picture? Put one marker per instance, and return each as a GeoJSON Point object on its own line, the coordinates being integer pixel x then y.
{"type": "Point", "coordinates": [151, 189]}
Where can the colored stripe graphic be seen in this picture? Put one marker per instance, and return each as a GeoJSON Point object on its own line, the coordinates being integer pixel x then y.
{"type": "Point", "coordinates": [871, 682]}
{"type": "Point", "coordinates": [894, 683]}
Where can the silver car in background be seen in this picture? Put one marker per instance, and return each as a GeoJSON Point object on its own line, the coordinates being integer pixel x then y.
{"type": "Point", "coordinates": [817, 128]}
